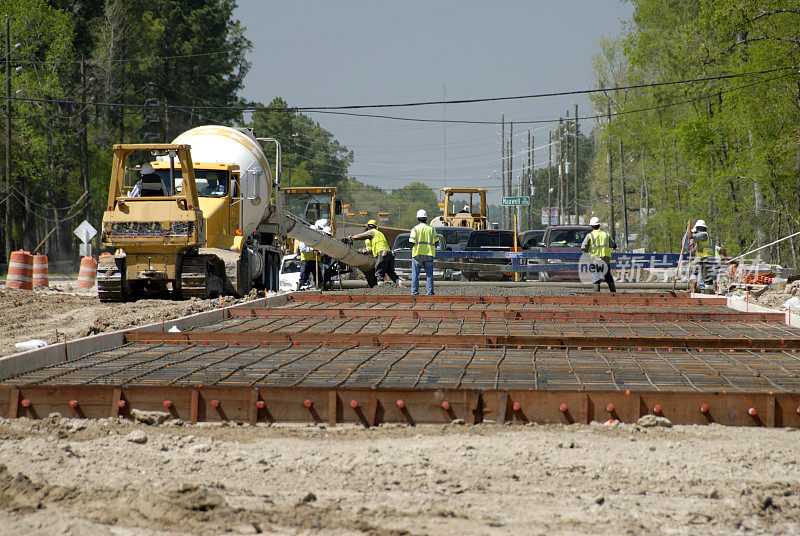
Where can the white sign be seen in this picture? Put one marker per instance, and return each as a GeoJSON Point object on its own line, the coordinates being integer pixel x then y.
{"type": "Point", "coordinates": [85, 231]}
{"type": "Point", "coordinates": [549, 215]}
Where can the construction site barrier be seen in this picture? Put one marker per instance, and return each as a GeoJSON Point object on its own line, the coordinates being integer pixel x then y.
{"type": "Point", "coordinates": [20, 271]}
{"type": "Point", "coordinates": [41, 271]}
{"type": "Point", "coordinates": [87, 273]}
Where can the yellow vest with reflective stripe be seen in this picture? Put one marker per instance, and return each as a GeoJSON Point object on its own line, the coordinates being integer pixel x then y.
{"type": "Point", "coordinates": [599, 243]}
{"type": "Point", "coordinates": [704, 249]}
{"type": "Point", "coordinates": [310, 256]}
{"type": "Point", "coordinates": [378, 243]}
{"type": "Point", "coordinates": [425, 240]}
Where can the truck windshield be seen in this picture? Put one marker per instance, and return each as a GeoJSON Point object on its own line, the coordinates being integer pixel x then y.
{"type": "Point", "coordinates": [570, 238]}
{"type": "Point", "coordinates": [455, 235]}
{"type": "Point", "coordinates": [310, 207]}
{"type": "Point", "coordinates": [209, 183]}
{"type": "Point", "coordinates": [480, 239]}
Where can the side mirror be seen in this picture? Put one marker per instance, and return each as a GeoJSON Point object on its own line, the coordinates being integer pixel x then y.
{"type": "Point", "coordinates": [337, 206]}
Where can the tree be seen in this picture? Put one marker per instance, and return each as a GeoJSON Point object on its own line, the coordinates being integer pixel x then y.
{"type": "Point", "coordinates": [723, 149]}
{"type": "Point", "coordinates": [311, 154]}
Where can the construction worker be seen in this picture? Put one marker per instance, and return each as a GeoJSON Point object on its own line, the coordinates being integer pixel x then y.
{"type": "Point", "coordinates": [424, 238]}
{"type": "Point", "coordinates": [149, 184]}
{"type": "Point", "coordinates": [328, 264]}
{"type": "Point", "coordinates": [309, 257]}
{"type": "Point", "coordinates": [379, 247]}
{"type": "Point", "coordinates": [599, 244]}
{"type": "Point", "coordinates": [705, 256]}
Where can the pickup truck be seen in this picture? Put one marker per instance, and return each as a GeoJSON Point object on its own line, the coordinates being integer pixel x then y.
{"type": "Point", "coordinates": [402, 252]}
{"type": "Point", "coordinates": [488, 240]}
{"type": "Point", "coordinates": [563, 239]}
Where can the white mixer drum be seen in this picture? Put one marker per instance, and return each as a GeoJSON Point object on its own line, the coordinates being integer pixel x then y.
{"type": "Point", "coordinates": [226, 145]}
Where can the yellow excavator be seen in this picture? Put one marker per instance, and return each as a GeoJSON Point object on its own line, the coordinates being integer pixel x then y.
{"type": "Point", "coordinates": [472, 214]}
{"type": "Point", "coordinates": [199, 217]}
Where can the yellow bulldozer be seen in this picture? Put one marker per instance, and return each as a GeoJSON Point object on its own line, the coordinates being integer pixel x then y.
{"type": "Point", "coordinates": [462, 207]}
{"type": "Point", "coordinates": [199, 217]}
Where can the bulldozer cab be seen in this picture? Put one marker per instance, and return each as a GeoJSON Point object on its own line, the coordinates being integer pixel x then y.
{"type": "Point", "coordinates": [149, 209]}
{"type": "Point", "coordinates": [313, 203]}
{"type": "Point", "coordinates": [464, 207]}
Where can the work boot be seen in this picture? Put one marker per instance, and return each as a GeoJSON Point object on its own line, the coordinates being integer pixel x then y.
{"type": "Point", "coordinates": [597, 287]}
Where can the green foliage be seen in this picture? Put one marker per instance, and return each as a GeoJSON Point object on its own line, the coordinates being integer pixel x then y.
{"type": "Point", "coordinates": [725, 151]}
{"type": "Point", "coordinates": [402, 204]}
{"type": "Point", "coordinates": [311, 155]}
{"type": "Point", "coordinates": [165, 65]}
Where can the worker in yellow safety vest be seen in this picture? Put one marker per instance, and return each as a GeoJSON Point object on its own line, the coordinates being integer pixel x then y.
{"type": "Point", "coordinates": [706, 260]}
{"type": "Point", "coordinates": [379, 247]}
{"type": "Point", "coordinates": [599, 244]}
{"type": "Point", "coordinates": [309, 257]}
{"type": "Point", "coordinates": [424, 238]}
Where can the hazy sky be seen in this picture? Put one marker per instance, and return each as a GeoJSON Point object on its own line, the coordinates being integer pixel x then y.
{"type": "Point", "coordinates": [323, 53]}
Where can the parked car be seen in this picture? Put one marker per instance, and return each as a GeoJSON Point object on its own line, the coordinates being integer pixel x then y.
{"type": "Point", "coordinates": [563, 239]}
{"type": "Point", "coordinates": [488, 240]}
{"type": "Point", "coordinates": [455, 237]}
{"type": "Point", "coordinates": [532, 239]}
{"type": "Point", "coordinates": [402, 252]}
{"type": "Point", "coordinates": [289, 275]}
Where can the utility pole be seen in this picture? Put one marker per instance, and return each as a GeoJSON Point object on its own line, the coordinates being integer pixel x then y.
{"type": "Point", "coordinates": [166, 104]}
{"type": "Point", "coordinates": [549, 173]}
{"type": "Point", "coordinates": [565, 156]}
{"type": "Point", "coordinates": [8, 139]}
{"type": "Point", "coordinates": [624, 196]}
{"type": "Point", "coordinates": [561, 199]}
{"type": "Point", "coordinates": [529, 188]}
{"type": "Point", "coordinates": [610, 180]}
{"type": "Point", "coordinates": [503, 166]}
{"type": "Point", "coordinates": [84, 143]}
{"type": "Point", "coordinates": [510, 167]}
{"type": "Point", "coordinates": [575, 165]}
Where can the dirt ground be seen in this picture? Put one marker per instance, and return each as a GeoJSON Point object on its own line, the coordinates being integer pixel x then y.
{"type": "Point", "coordinates": [124, 478]}
{"type": "Point", "coordinates": [66, 476]}
{"type": "Point", "coordinates": [64, 312]}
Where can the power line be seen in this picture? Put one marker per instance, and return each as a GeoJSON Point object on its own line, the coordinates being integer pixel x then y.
{"type": "Point", "coordinates": [335, 110]}
{"type": "Point", "coordinates": [541, 95]}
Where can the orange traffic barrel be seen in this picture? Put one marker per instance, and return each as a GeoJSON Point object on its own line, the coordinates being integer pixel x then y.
{"type": "Point", "coordinates": [40, 271]}
{"type": "Point", "coordinates": [87, 273]}
{"type": "Point", "coordinates": [20, 270]}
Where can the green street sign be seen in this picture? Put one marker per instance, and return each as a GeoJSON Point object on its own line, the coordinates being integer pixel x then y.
{"type": "Point", "coordinates": [522, 201]}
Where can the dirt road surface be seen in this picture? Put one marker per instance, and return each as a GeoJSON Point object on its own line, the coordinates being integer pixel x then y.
{"type": "Point", "coordinates": [65, 476]}
{"type": "Point", "coordinates": [109, 477]}
{"type": "Point", "coordinates": [65, 313]}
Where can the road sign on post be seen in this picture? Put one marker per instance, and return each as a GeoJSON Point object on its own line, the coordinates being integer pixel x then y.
{"type": "Point", "coordinates": [85, 232]}
{"type": "Point", "coordinates": [520, 201]}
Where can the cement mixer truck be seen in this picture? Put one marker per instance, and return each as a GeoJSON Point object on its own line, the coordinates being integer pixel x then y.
{"type": "Point", "coordinates": [200, 217]}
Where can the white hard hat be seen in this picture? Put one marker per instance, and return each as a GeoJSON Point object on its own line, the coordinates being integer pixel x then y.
{"type": "Point", "coordinates": [700, 223]}
{"type": "Point", "coordinates": [421, 213]}
{"type": "Point", "coordinates": [322, 223]}
{"type": "Point", "coordinates": [594, 221]}
{"type": "Point", "coordinates": [327, 230]}
{"type": "Point", "coordinates": [146, 169]}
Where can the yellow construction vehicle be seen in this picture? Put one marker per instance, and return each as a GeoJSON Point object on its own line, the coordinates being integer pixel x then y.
{"type": "Point", "coordinates": [200, 217]}
{"type": "Point", "coordinates": [313, 203]}
{"type": "Point", "coordinates": [461, 209]}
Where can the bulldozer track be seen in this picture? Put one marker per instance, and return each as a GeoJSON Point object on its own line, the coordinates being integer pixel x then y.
{"type": "Point", "coordinates": [110, 281]}
{"type": "Point", "coordinates": [200, 277]}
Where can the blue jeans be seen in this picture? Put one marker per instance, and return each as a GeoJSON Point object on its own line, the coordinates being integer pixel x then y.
{"type": "Point", "coordinates": [417, 264]}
